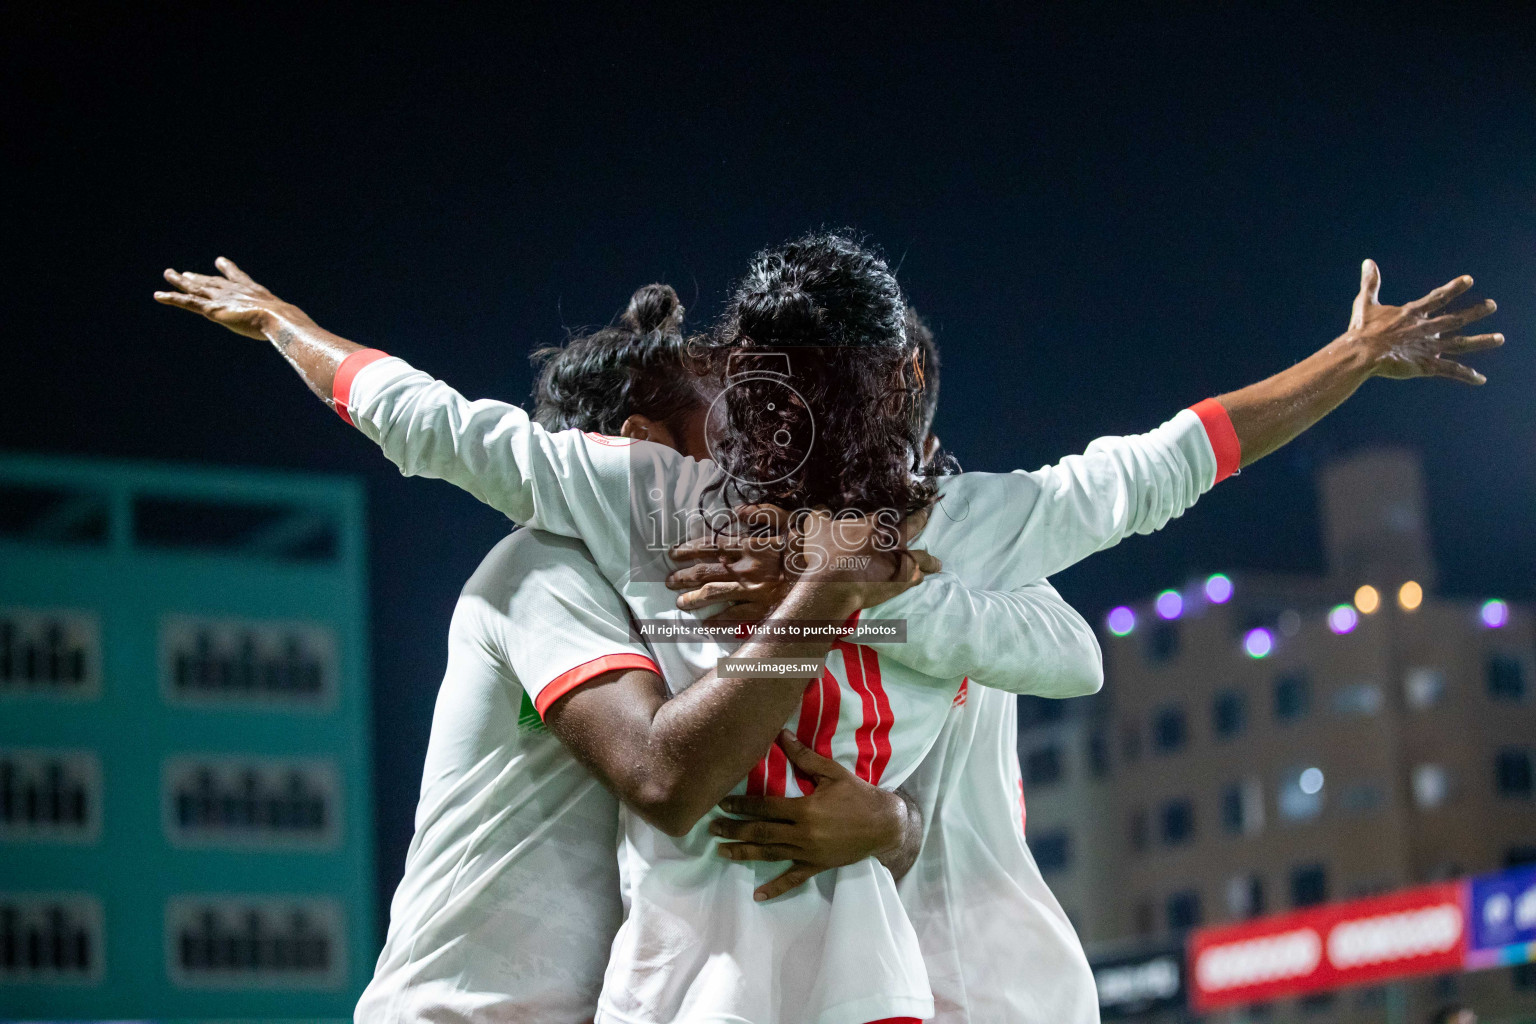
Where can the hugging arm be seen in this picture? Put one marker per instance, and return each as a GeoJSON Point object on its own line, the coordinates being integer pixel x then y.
{"type": "Point", "coordinates": [1024, 640]}
{"type": "Point", "coordinates": [671, 759]}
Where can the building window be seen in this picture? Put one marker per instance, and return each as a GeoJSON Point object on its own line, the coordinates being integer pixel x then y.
{"type": "Point", "coordinates": [1098, 753]}
{"type": "Point", "coordinates": [1301, 794]}
{"type": "Point", "coordinates": [1245, 896]}
{"type": "Point", "coordinates": [1043, 767]}
{"type": "Point", "coordinates": [1139, 830]}
{"type": "Point", "coordinates": [1178, 819]}
{"type": "Point", "coordinates": [1506, 678]}
{"type": "Point", "coordinates": [1229, 714]}
{"type": "Point", "coordinates": [1357, 699]}
{"type": "Point", "coordinates": [1309, 885]}
{"type": "Point", "coordinates": [1162, 643]}
{"type": "Point", "coordinates": [1053, 852]}
{"type": "Point", "coordinates": [1169, 730]}
{"type": "Point", "coordinates": [1130, 742]}
{"type": "Point", "coordinates": [1183, 911]}
{"type": "Point", "coordinates": [1424, 687]}
{"type": "Point", "coordinates": [1232, 810]}
{"type": "Point", "coordinates": [1242, 808]}
{"type": "Point", "coordinates": [1431, 785]}
{"type": "Point", "coordinates": [1512, 773]}
{"type": "Point", "coordinates": [1293, 697]}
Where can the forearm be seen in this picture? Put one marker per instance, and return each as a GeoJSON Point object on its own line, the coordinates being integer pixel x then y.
{"type": "Point", "coordinates": [1271, 413]}
{"type": "Point", "coordinates": [699, 744]}
{"type": "Point", "coordinates": [313, 352]}
{"type": "Point", "coordinates": [1025, 640]}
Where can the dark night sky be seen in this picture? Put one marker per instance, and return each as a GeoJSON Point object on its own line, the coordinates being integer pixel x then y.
{"type": "Point", "coordinates": [1105, 218]}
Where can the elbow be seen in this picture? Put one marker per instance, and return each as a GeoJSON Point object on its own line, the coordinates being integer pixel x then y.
{"type": "Point", "coordinates": [1084, 675]}
{"type": "Point", "coordinates": [666, 805]}
{"type": "Point", "coordinates": [1080, 679]}
{"type": "Point", "coordinates": [1086, 682]}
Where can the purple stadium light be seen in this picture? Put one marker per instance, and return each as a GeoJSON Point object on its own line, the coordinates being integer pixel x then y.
{"type": "Point", "coordinates": [1218, 589]}
{"type": "Point", "coordinates": [1170, 604]}
{"type": "Point", "coordinates": [1121, 620]}
{"type": "Point", "coordinates": [1343, 619]}
{"type": "Point", "coordinates": [1495, 613]}
{"type": "Point", "coordinates": [1259, 642]}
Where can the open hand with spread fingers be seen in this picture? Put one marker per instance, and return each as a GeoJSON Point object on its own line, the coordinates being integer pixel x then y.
{"type": "Point", "coordinates": [1415, 339]}
{"type": "Point", "coordinates": [231, 299]}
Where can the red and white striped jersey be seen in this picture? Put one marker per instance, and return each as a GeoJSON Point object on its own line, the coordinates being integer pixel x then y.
{"type": "Point", "coordinates": [839, 950]}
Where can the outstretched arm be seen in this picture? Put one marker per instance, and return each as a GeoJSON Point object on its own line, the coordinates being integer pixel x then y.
{"type": "Point", "coordinates": [245, 307]}
{"type": "Point", "coordinates": [1045, 521]}
{"type": "Point", "coordinates": [564, 483]}
{"type": "Point", "coordinates": [1412, 340]}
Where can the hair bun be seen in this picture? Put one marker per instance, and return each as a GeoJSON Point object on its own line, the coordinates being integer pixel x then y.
{"type": "Point", "coordinates": [654, 307]}
{"type": "Point", "coordinates": [784, 312]}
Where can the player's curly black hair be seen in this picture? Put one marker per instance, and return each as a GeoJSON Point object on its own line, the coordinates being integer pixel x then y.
{"type": "Point", "coordinates": [596, 381]}
{"type": "Point", "coordinates": [853, 436]}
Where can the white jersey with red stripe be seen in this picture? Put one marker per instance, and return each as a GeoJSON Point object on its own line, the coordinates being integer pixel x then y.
{"type": "Point", "coordinates": [510, 896]}
{"type": "Point", "coordinates": [839, 950]}
{"type": "Point", "coordinates": [997, 945]}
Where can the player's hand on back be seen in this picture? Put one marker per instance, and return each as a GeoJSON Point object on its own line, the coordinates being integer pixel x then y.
{"type": "Point", "coordinates": [230, 298]}
{"type": "Point", "coordinates": [844, 820]}
{"type": "Point", "coordinates": [751, 569]}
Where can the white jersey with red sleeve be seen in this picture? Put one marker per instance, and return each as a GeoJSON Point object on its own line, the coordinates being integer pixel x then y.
{"type": "Point", "coordinates": [510, 898]}
{"type": "Point", "coordinates": [840, 950]}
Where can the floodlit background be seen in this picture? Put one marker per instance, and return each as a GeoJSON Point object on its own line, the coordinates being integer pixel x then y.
{"type": "Point", "coordinates": [222, 616]}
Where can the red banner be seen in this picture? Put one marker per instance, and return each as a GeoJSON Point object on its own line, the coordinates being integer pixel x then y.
{"type": "Point", "coordinates": [1361, 942]}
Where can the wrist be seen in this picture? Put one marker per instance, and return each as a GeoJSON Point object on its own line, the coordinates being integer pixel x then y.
{"type": "Point", "coordinates": [817, 597]}
{"type": "Point", "coordinates": [281, 322]}
{"type": "Point", "coordinates": [1354, 355]}
{"type": "Point", "coordinates": [896, 825]}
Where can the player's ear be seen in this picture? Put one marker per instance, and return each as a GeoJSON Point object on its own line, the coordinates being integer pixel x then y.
{"type": "Point", "coordinates": [930, 448]}
{"type": "Point", "coordinates": [643, 428]}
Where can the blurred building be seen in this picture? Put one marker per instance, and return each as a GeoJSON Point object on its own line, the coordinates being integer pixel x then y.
{"type": "Point", "coordinates": [1268, 742]}
{"type": "Point", "coordinates": [185, 800]}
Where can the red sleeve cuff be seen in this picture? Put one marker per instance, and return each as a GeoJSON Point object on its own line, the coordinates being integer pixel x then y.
{"type": "Point", "coordinates": [346, 373]}
{"type": "Point", "coordinates": [1224, 442]}
{"type": "Point", "coordinates": [587, 671]}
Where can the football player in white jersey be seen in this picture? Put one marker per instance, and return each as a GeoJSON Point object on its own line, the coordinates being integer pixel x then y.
{"type": "Point", "coordinates": [510, 896]}
{"type": "Point", "coordinates": [997, 946]}
{"type": "Point", "coordinates": [690, 948]}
